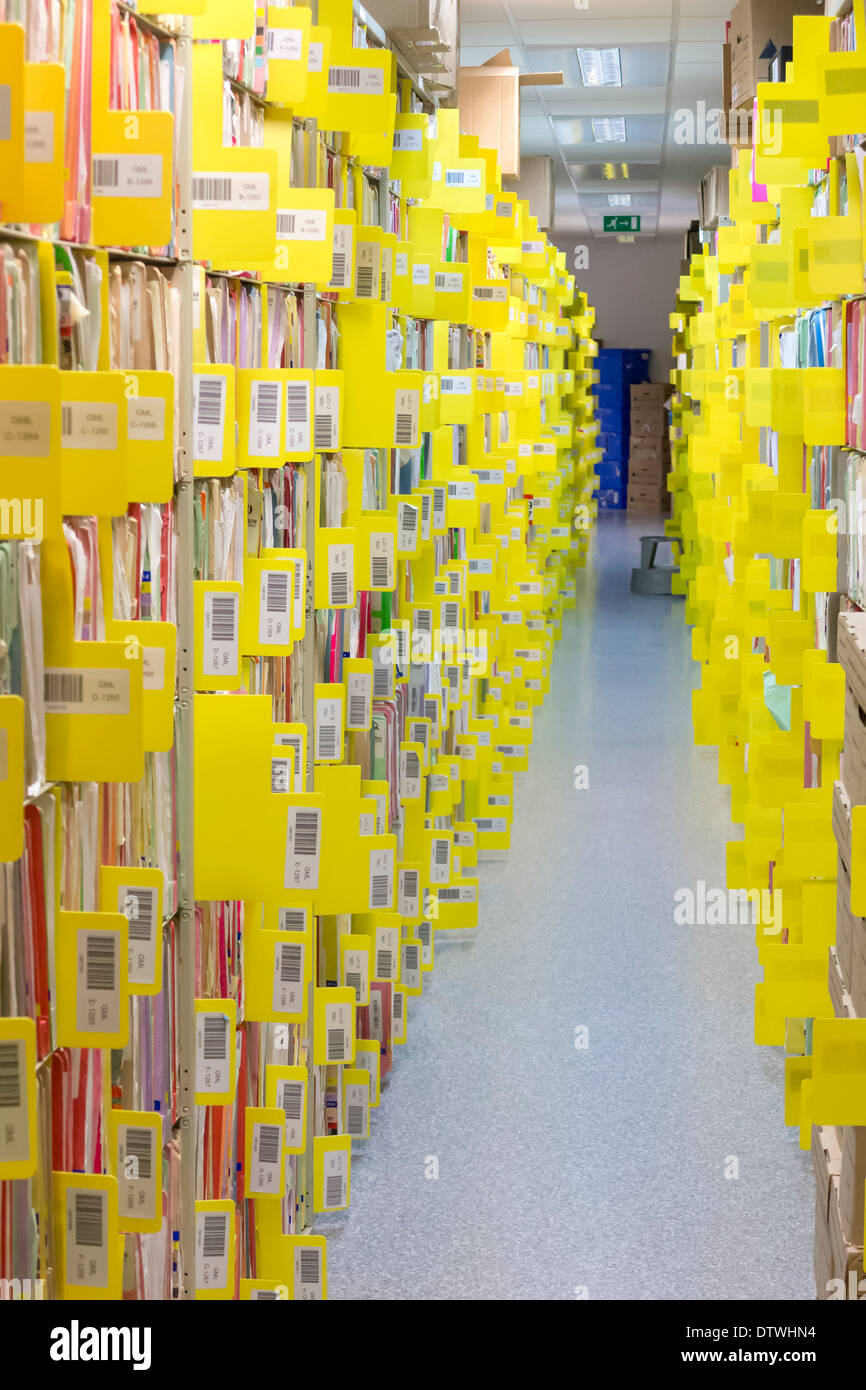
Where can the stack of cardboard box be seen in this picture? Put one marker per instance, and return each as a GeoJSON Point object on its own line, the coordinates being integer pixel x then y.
{"type": "Point", "coordinates": [649, 455]}
{"type": "Point", "coordinates": [840, 1152]}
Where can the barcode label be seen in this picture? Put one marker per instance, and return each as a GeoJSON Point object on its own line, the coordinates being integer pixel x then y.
{"type": "Point", "coordinates": [298, 427]}
{"type": "Point", "coordinates": [98, 1000]}
{"type": "Point", "coordinates": [344, 236]}
{"type": "Point", "coordinates": [88, 425]}
{"type": "Point", "coordinates": [213, 1034]}
{"type": "Point", "coordinates": [464, 894]}
{"type": "Point", "coordinates": [267, 1160]}
{"type": "Point", "coordinates": [356, 970]}
{"type": "Point", "coordinates": [127, 176]}
{"type": "Point", "coordinates": [410, 775]}
{"type": "Point", "coordinates": [341, 576]}
{"type": "Point", "coordinates": [440, 861]}
{"type": "Point", "coordinates": [288, 996]}
{"type": "Point", "coordinates": [139, 905]}
{"type": "Point", "coordinates": [264, 428]}
{"type": "Point", "coordinates": [383, 672]}
{"type": "Point", "coordinates": [208, 410]}
{"type": "Point", "coordinates": [382, 560]}
{"type": "Point", "coordinates": [285, 45]}
{"type": "Point", "coordinates": [303, 836]}
{"type": "Point", "coordinates": [533, 248]}
{"type": "Point", "coordinates": [335, 1179]}
{"type": "Point", "coordinates": [308, 1272]}
{"type": "Point", "coordinates": [387, 940]}
{"type": "Point", "coordinates": [326, 419]}
{"type": "Point", "coordinates": [364, 81]}
{"type": "Point", "coordinates": [408, 140]}
{"type": "Point", "coordinates": [462, 178]}
{"type": "Point", "coordinates": [275, 607]}
{"type": "Point", "coordinates": [138, 1171]}
{"type": "Point", "coordinates": [408, 888]}
{"type": "Point", "coordinates": [87, 1237]}
{"type": "Point", "coordinates": [410, 972]}
{"type": "Point", "coordinates": [406, 413]}
{"type": "Point", "coordinates": [456, 385]}
{"type": "Point", "coordinates": [450, 615]}
{"type": "Point", "coordinates": [448, 282]}
{"type": "Point", "coordinates": [381, 880]}
{"type": "Point", "coordinates": [89, 691]}
{"type": "Point", "coordinates": [329, 730]}
{"type": "Point", "coordinates": [14, 1127]}
{"type": "Point", "coordinates": [356, 1100]}
{"type": "Point", "coordinates": [218, 192]}
{"type": "Point", "coordinates": [363, 281]}
{"type": "Point", "coordinates": [338, 1024]}
{"type": "Point", "coordinates": [221, 611]}
{"type": "Point", "coordinates": [211, 1250]}
{"type": "Point", "coordinates": [493, 294]}
{"type": "Point", "coordinates": [290, 1099]}
{"type": "Point", "coordinates": [407, 526]}
{"type": "Point", "coordinates": [359, 687]}
{"type": "Point", "coordinates": [292, 919]}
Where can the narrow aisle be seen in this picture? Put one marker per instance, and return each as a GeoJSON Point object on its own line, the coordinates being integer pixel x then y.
{"type": "Point", "coordinates": [602, 1167]}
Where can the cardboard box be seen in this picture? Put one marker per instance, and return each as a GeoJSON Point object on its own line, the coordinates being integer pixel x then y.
{"type": "Point", "coordinates": [489, 102]}
{"type": "Point", "coordinates": [851, 655]}
{"type": "Point", "coordinates": [643, 497]}
{"type": "Point", "coordinates": [650, 393]}
{"type": "Point", "coordinates": [648, 474]}
{"type": "Point", "coordinates": [649, 420]}
{"type": "Point", "coordinates": [836, 1255]}
{"type": "Point", "coordinates": [758, 30]}
{"type": "Point", "coordinates": [852, 1182]}
{"type": "Point", "coordinates": [839, 997]}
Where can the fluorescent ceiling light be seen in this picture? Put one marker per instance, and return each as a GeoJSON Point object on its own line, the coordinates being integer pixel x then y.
{"type": "Point", "coordinates": [600, 67]}
{"type": "Point", "coordinates": [619, 200]}
{"type": "Point", "coordinates": [609, 129]}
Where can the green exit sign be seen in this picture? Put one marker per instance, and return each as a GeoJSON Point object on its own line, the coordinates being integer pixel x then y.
{"type": "Point", "coordinates": [629, 223]}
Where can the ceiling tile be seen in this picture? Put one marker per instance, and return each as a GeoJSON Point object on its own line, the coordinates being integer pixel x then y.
{"type": "Point", "coordinates": [594, 32]}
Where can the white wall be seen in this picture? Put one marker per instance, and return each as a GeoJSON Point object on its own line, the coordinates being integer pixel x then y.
{"type": "Point", "coordinates": [632, 287]}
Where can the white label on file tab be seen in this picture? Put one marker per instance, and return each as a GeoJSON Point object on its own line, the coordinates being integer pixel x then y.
{"type": "Point", "coordinates": [233, 192]}
{"type": "Point", "coordinates": [139, 903]}
{"type": "Point", "coordinates": [381, 880]}
{"type": "Point", "coordinates": [86, 1228]}
{"type": "Point", "coordinates": [301, 224]}
{"type": "Point", "coordinates": [127, 176]}
{"type": "Point", "coordinates": [408, 140]}
{"type": "Point", "coordinates": [88, 425]}
{"type": "Point", "coordinates": [315, 56]}
{"type": "Point", "coordinates": [341, 275]}
{"type": "Point", "coordinates": [359, 696]}
{"type": "Point", "coordinates": [366, 81]}
{"type": "Point", "coordinates": [208, 411]}
{"type": "Point", "coordinates": [38, 137]}
{"type": "Point", "coordinates": [285, 45]}
{"type": "Point", "coordinates": [98, 981]}
{"type": "Point", "coordinates": [265, 406]}
{"type": "Point", "coordinates": [303, 834]}
{"type": "Point", "coordinates": [267, 1160]}
{"type": "Point", "coordinates": [407, 410]}
{"type": "Point", "coordinates": [220, 653]}
{"type": "Point", "coordinates": [145, 419]}
{"type": "Point", "coordinates": [139, 1162]}
{"type": "Point", "coordinates": [86, 690]}
{"type": "Point", "coordinates": [211, 1250]}
{"type": "Point", "coordinates": [288, 977]}
{"type": "Point", "coordinates": [341, 575]}
{"type": "Point", "coordinates": [275, 607]}
{"type": "Point", "coordinates": [298, 427]}
{"type": "Point", "coordinates": [290, 1099]}
{"type": "Point", "coordinates": [326, 418]}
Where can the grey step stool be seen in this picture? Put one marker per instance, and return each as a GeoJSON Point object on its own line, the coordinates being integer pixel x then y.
{"type": "Point", "coordinates": [651, 578]}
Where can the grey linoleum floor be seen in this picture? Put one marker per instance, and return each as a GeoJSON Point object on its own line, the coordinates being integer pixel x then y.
{"type": "Point", "coordinates": [596, 1171]}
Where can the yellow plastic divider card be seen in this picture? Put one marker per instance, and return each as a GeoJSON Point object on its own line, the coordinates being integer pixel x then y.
{"type": "Point", "coordinates": [264, 1157]}
{"type": "Point", "coordinates": [18, 1068]}
{"type": "Point", "coordinates": [286, 1088]}
{"type": "Point", "coordinates": [29, 451]}
{"type": "Point", "coordinates": [215, 1250]}
{"type": "Point", "coordinates": [278, 969]}
{"type": "Point", "coordinates": [132, 171]}
{"type": "Point", "coordinates": [138, 894]}
{"type": "Point", "coordinates": [332, 1160]}
{"type": "Point", "coordinates": [12, 131]}
{"type": "Point", "coordinates": [93, 432]}
{"type": "Point", "coordinates": [233, 186]}
{"type": "Point", "coordinates": [368, 1058]}
{"type": "Point", "coordinates": [217, 609]}
{"type": "Point", "coordinates": [272, 618]}
{"type": "Point", "coordinates": [304, 247]}
{"type": "Point", "coordinates": [412, 154]}
{"type": "Point", "coordinates": [309, 1268]}
{"type": "Point", "coordinates": [333, 1026]}
{"type": "Point", "coordinates": [356, 1102]}
{"type": "Point", "coordinates": [149, 435]}
{"type": "Point", "coordinates": [92, 994]}
{"type": "Point", "coordinates": [287, 42]}
{"type": "Point", "coordinates": [38, 194]}
{"type": "Point", "coordinates": [215, 1028]}
{"type": "Point", "coordinates": [87, 1239]}
{"type": "Point", "coordinates": [11, 779]}
{"type": "Point", "coordinates": [135, 1157]}
{"type": "Point", "coordinates": [213, 420]}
